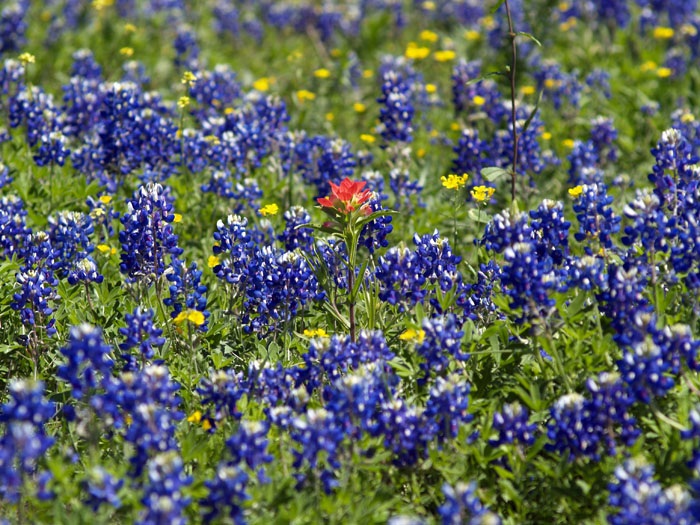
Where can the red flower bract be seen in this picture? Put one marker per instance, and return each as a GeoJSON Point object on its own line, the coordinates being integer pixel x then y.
{"type": "Point", "coordinates": [347, 197]}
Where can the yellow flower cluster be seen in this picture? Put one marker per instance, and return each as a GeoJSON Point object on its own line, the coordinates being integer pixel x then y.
{"type": "Point", "coordinates": [413, 335]}
{"type": "Point", "coordinates": [482, 193]}
{"type": "Point", "coordinates": [320, 332]}
{"type": "Point", "coordinates": [454, 182]}
{"type": "Point", "coordinates": [193, 316]}
{"type": "Point", "coordinates": [269, 209]}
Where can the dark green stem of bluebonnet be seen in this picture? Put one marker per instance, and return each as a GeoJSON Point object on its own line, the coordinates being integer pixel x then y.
{"type": "Point", "coordinates": [513, 35]}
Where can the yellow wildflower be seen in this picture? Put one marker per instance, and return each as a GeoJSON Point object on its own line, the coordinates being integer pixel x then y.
{"type": "Point", "coordinates": [189, 78]}
{"type": "Point", "coordinates": [428, 36]}
{"type": "Point", "coordinates": [479, 100]}
{"type": "Point", "coordinates": [269, 209]}
{"type": "Point", "coordinates": [420, 153]}
{"type": "Point", "coordinates": [431, 88]}
{"type": "Point", "coordinates": [126, 51]}
{"type": "Point", "coordinates": [413, 335]}
{"type": "Point", "coordinates": [330, 117]}
{"type": "Point", "coordinates": [103, 248]}
{"type": "Point", "coordinates": [319, 332]}
{"type": "Point", "coordinates": [472, 35]}
{"type": "Point", "coordinates": [546, 135]}
{"type": "Point", "coordinates": [193, 316]}
{"type": "Point", "coordinates": [369, 139]}
{"type": "Point", "coordinates": [444, 55]}
{"type": "Point", "coordinates": [649, 65]}
{"type": "Point", "coordinates": [322, 73]}
{"type": "Point", "coordinates": [105, 199]}
{"type": "Point", "coordinates": [101, 4]}
{"type": "Point", "coordinates": [196, 417]}
{"type": "Point", "coordinates": [206, 425]}
{"type": "Point", "coordinates": [663, 33]}
{"type": "Point", "coordinates": [27, 58]}
{"type": "Point", "coordinates": [687, 117]}
{"type": "Point", "coordinates": [576, 191]}
{"type": "Point", "coordinates": [183, 102]}
{"type": "Point", "coordinates": [482, 193]}
{"type": "Point", "coordinates": [664, 72]}
{"type": "Point", "coordinates": [262, 84]}
{"type": "Point", "coordinates": [568, 143]}
{"type": "Point", "coordinates": [213, 261]}
{"type": "Point", "coordinates": [177, 217]}
{"type": "Point", "coordinates": [429, 5]}
{"type": "Point", "coordinates": [527, 90]}
{"type": "Point", "coordinates": [415, 52]}
{"type": "Point", "coordinates": [130, 28]}
{"type": "Point", "coordinates": [359, 107]}
{"type": "Point", "coordinates": [304, 95]}
{"type": "Point", "coordinates": [367, 73]}
{"type": "Point", "coordinates": [454, 182]}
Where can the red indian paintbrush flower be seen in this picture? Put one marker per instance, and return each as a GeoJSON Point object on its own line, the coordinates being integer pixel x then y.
{"type": "Point", "coordinates": [347, 197]}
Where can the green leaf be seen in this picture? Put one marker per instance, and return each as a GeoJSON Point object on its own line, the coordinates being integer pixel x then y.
{"type": "Point", "coordinates": [533, 112]}
{"type": "Point", "coordinates": [477, 216]}
{"type": "Point", "coordinates": [498, 4]}
{"type": "Point", "coordinates": [531, 37]}
{"type": "Point", "coordinates": [359, 279]}
{"type": "Point", "coordinates": [492, 173]}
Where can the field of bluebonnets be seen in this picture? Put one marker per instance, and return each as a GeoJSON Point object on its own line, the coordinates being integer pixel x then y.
{"type": "Point", "coordinates": [349, 261]}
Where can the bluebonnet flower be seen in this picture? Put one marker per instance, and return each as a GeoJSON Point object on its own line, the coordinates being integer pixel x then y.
{"type": "Point", "coordinates": [140, 332]}
{"type": "Point", "coordinates": [674, 169]}
{"type": "Point", "coordinates": [5, 178]}
{"type": "Point", "coordinates": [463, 506]}
{"type": "Point", "coordinates": [223, 389]}
{"type": "Point", "coordinates": [294, 236]}
{"type": "Point", "coordinates": [551, 230]}
{"type": "Point", "coordinates": [13, 227]}
{"type": "Point", "coordinates": [88, 360]}
{"type": "Point", "coordinates": [557, 85]}
{"type": "Point", "coordinates": [651, 227]}
{"type": "Point", "coordinates": [587, 273]}
{"type": "Point", "coordinates": [215, 89]}
{"type": "Point", "coordinates": [319, 434]}
{"type": "Point", "coordinates": [603, 136]}
{"type": "Point", "coordinates": [69, 233]}
{"type": "Point", "coordinates": [13, 25]}
{"type": "Point", "coordinates": [512, 426]}
{"type": "Point", "coordinates": [583, 155]}
{"type": "Point", "coordinates": [25, 440]}
{"type": "Point", "coordinates": [595, 215]}
{"type": "Point", "coordinates": [396, 114]}
{"type": "Point", "coordinates": [37, 288]}
{"type": "Point", "coordinates": [443, 340]}
{"type": "Point", "coordinates": [405, 431]}
{"type": "Point", "coordinates": [473, 154]}
{"type": "Point", "coordinates": [84, 65]}
{"type": "Point", "coordinates": [102, 488]}
{"type": "Point", "coordinates": [639, 498]}
{"type": "Point", "coordinates": [447, 406]}
{"type": "Point", "coordinates": [404, 188]}
{"type": "Point", "coordinates": [226, 490]}
{"type": "Point", "coordinates": [52, 149]}
{"type": "Point", "coordinates": [249, 445]}
{"type": "Point", "coordinates": [186, 290]}
{"type": "Point", "coordinates": [85, 271]}
{"type": "Point", "coordinates": [147, 235]}
{"type": "Point", "coordinates": [464, 93]}
{"type": "Point", "coordinates": [163, 496]}
{"type": "Point", "coordinates": [599, 79]}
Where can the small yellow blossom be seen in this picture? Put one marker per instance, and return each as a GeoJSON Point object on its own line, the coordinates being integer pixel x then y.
{"type": "Point", "coordinates": [330, 117]}
{"type": "Point", "coordinates": [428, 5]}
{"type": "Point", "coordinates": [103, 248]}
{"type": "Point", "coordinates": [27, 58]}
{"type": "Point", "coordinates": [576, 191]}
{"type": "Point", "coordinates": [177, 217]}
{"type": "Point", "coordinates": [105, 199]}
{"type": "Point", "coordinates": [454, 182]}
{"type": "Point", "coordinates": [322, 73]}
{"type": "Point", "coordinates": [663, 33]}
{"type": "Point", "coordinates": [128, 420]}
{"type": "Point", "coordinates": [366, 137]}
{"type": "Point", "coordinates": [269, 209]}
{"type": "Point", "coordinates": [262, 84]}
{"type": "Point", "coordinates": [568, 143]}
{"type": "Point", "coordinates": [293, 56]}
{"type": "Point", "coordinates": [568, 24]}
{"type": "Point", "coordinates": [319, 332]}
{"type": "Point", "coordinates": [206, 425]}
{"type": "Point", "coordinates": [335, 52]}
{"type": "Point", "coordinates": [479, 100]}
{"type": "Point", "coordinates": [196, 417]}
{"type": "Point", "coordinates": [415, 52]}
{"type": "Point", "coordinates": [183, 102]}
{"type": "Point", "coordinates": [546, 135]}
{"type": "Point", "coordinates": [130, 28]}
{"type": "Point", "coordinates": [664, 72]}
{"type": "Point", "coordinates": [472, 35]}
{"type": "Point", "coordinates": [444, 55]}
{"type": "Point", "coordinates": [367, 73]}
{"type": "Point", "coordinates": [413, 335]}
{"type": "Point", "coordinates": [431, 88]}
{"type": "Point", "coordinates": [488, 22]}
{"type": "Point", "coordinates": [482, 193]}
{"type": "Point", "coordinates": [213, 261]}
{"type": "Point", "coordinates": [359, 107]}
{"type": "Point", "coordinates": [189, 78]}
{"type": "Point", "coordinates": [193, 316]}
{"type": "Point", "coordinates": [420, 153]}
{"type": "Point", "coordinates": [304, 95]}
{"type": "Point", "coordinates": [649, 65]}
{"type": "Point", "coordinates": [434, 133]}
{"type": "Point", "coordinates": [687, 117]}
{"type": "Point", "coordinates": [428, 36]}
{"type": "Point", "coordinates": [689, 30]}
{"type": "Point", "coordinates": [96, 213]}
{"type": "Point", "coordinates": [527, 90]}
{"type": "Point", "coordinates": [551, 83]}
{"type": "Point", "coordinates": [213, 140]}
{"type": "Point", "coordinates": [126, 51]}
{"type": "Point", "coordinates": [101, 4]}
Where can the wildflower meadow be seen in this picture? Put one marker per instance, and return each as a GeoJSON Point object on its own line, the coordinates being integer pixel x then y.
{"type": "Point", "coordinates": [349, 261]}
